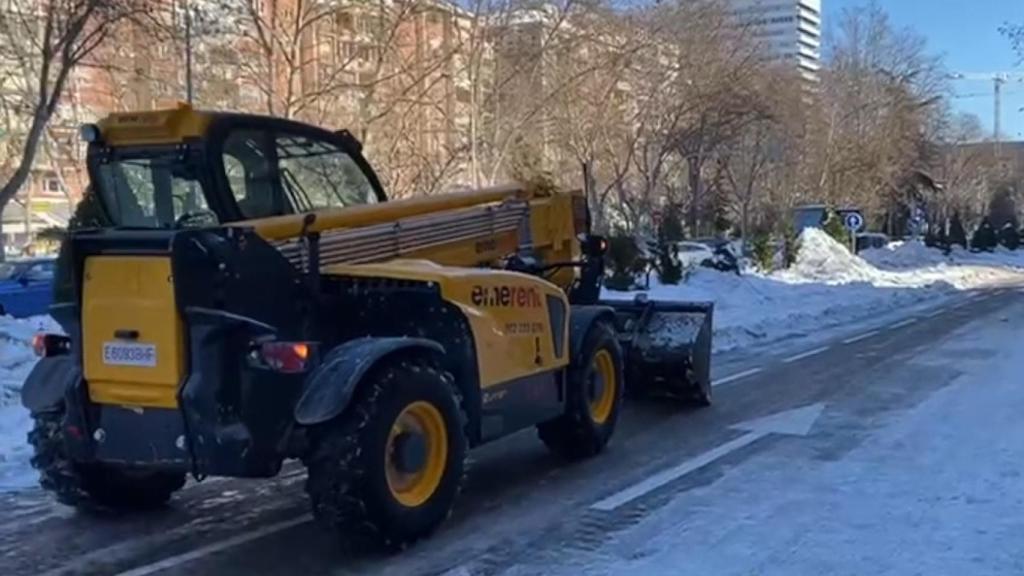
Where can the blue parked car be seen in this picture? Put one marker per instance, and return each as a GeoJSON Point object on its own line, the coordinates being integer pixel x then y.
{"type": "Point", "coordinates": [26, 287]}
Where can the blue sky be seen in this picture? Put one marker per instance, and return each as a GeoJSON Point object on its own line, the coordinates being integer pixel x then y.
{"type": "Point", "coordinates": [966, 33]}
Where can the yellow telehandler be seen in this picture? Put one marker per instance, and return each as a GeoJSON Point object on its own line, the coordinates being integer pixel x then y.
{"type": "Point", "coordinates": [248, 295]}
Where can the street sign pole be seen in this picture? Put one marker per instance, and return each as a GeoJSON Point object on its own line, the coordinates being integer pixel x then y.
{"type": "Point", "coordinates": [853, 222]}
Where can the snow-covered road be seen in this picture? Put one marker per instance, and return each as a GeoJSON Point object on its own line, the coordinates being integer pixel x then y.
{"type": "Point", "coordinates": [918, 474]}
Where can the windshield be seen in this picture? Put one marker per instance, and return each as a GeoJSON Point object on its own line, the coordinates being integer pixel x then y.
{"type": "Point", "coordinates": [10, 270]}
{"type": "Point", "coordinates": [153, 190]}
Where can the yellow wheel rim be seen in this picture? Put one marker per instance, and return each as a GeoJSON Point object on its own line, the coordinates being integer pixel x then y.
{"type": "Point", "coordinates": [423, 422]}
{"type": "Point", "coordinates": [602, 386]}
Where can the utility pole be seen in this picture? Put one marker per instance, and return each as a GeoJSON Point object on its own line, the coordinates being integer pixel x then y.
{"type": "Point", "coordinates": [188, 53]}
{"type": "Point", "coordinates": [998, 79]}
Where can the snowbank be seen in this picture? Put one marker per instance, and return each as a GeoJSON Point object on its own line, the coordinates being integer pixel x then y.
{"type": "Point", "coordinates": [16, 361]}
{"type": "Point", "coordinates": [828, 286]}
{"type": "Point", "coordinates": [905, 255]}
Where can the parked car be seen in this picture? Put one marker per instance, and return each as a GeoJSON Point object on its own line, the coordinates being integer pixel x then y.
{"type": "Point", "coordinates": [716, 253]}
{"type": "Point", "coordinates": [867, 240]}
{"type": "Point", "coordinates": [26, 287]}
{"type": "Point", "coordinates": [693, 254]}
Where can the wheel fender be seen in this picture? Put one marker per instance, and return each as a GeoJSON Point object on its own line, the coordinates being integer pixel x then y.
{"type": "Point", "coordinates": [330, 386]}
{"type": "Point", "coordinates": [49, 381]}
{"type": "Point", "coordinates": [581, 319]}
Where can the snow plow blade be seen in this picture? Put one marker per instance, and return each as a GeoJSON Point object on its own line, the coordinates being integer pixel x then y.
{"type": "Point", "coordinates": [667, 347]}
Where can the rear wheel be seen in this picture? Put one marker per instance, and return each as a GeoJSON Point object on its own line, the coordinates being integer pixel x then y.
{"type": "Point", "coordinates": [594, 388]}
{"type": "Point", "coordinates": [702, 395]}
{"type": "Point", "coordinates": [387, 472]}
{"type": "Point", "coordinates": [93, 486]}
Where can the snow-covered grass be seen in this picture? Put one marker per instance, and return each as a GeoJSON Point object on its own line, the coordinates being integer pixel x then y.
{"type": "Point", "coordinates": [829, 286]}
{"type": "Point", "coordinates": [16, 361]}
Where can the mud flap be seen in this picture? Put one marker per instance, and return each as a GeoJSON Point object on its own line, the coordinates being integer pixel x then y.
{"type": "Point", "coordinates": [667, 346]}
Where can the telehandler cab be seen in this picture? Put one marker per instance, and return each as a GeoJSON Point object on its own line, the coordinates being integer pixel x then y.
{"type": "Point", "coordinates": [253, 297]}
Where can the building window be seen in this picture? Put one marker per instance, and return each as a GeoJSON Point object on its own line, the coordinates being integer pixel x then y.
{"type": "Point", "coordinates": [52, 185]}
{"type": "Point", "coordinates": [343, 22]}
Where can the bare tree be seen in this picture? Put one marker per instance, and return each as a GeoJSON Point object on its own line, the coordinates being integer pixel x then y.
{"type": "Point", "coordinates": [50, 39]}
{"type": "Point", "coordinates": [1014, 31]}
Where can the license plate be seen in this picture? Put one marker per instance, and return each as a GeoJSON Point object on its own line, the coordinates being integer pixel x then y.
{"type": "Point", "coordinates": [125, 354]}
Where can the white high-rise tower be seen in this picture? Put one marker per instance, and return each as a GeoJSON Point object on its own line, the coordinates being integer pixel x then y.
{"type": "Point", "coordinates": [788, 30]}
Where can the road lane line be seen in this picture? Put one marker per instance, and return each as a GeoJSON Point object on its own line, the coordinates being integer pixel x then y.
{"type": "Point", "coordinates": [736, 376]}
{"type": "Point", "coordinates": [665, 476]}
{"type": "Point", "coordinates": [903, 323]}
{"type": "Point", "coordinates": [935, 313]}
{"type": "Point", "coordinates": [803, 355]}
{"type": "Point", "coordinates": [863, 336]}
{"type": "Point", "coordinates": [202, 551]}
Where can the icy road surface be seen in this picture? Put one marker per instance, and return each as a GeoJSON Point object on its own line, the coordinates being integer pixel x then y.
{"type": "Point", "coordinates": [895, 450]}
{"type": "Point", "coordinates": [919, 473]}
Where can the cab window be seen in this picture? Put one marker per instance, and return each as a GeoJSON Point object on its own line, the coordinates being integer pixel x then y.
{"type": "Point", "coordinates": [250, 174]}
{"type": "Point", "coordinates": [152, 189]}
{"type": "Point", "coordinates": [317, 174]}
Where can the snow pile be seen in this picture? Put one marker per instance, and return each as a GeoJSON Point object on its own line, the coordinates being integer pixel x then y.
{"type": "Point", "coordinates": [903, 255]}
{"type": "Point", "coordinates": [828, 286]}
{"type": "Point", "coordinates": [906, 255]}
{"type": "Point", "coordinates": [16, 361]}
{"type": "Point", "coordinates": [823, 259]}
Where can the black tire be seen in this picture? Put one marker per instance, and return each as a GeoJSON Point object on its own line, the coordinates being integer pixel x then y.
{"type": "Point", "coordinates": [577, 433]}
{"type": "Point", "coordinates": [93, 487]}
{"type": "Point", "coordinates": [702, 396]}
{"type": "Point", "coordinates": [348, 483]}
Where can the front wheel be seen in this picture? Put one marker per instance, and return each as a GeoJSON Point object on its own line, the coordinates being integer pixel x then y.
{"type": "Point", "coordinates": [594, 390]}
{"type": "Point", "coordinates": [387, 471]}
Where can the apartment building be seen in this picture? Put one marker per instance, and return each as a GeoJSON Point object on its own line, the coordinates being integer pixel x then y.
{"type": "Point", "coordinates": [788, 31]}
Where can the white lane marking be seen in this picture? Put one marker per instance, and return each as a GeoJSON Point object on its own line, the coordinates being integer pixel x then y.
{"type": "Point", "coordinates": [736, 376]}
{"type": "Point", "coordinates": [863, 336]}
{"type": "Point", "coordinates": [665, 476]}
{"type": "Point", "coordinates": [202, 551]}
{"type": "Point", "coordinates": [935, 313]}
{"type": "Point", "coordinates": [794, 422]}
{"type": "Point", "coordinates": [803, 355]}
{"type": "Point", "coordinates": [903, 323]}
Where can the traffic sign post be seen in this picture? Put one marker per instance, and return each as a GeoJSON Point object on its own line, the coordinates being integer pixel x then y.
{"type": "Point", "coordinates": [853, 222]}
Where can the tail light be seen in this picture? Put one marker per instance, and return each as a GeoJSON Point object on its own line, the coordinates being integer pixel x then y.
{"type": "Point", "coordinates": [286, 357]}
{"type": "Point", "coordinates": [47, 345]}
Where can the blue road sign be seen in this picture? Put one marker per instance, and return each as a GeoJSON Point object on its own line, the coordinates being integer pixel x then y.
{"type": "Point", "coordinates": [853, 221]}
